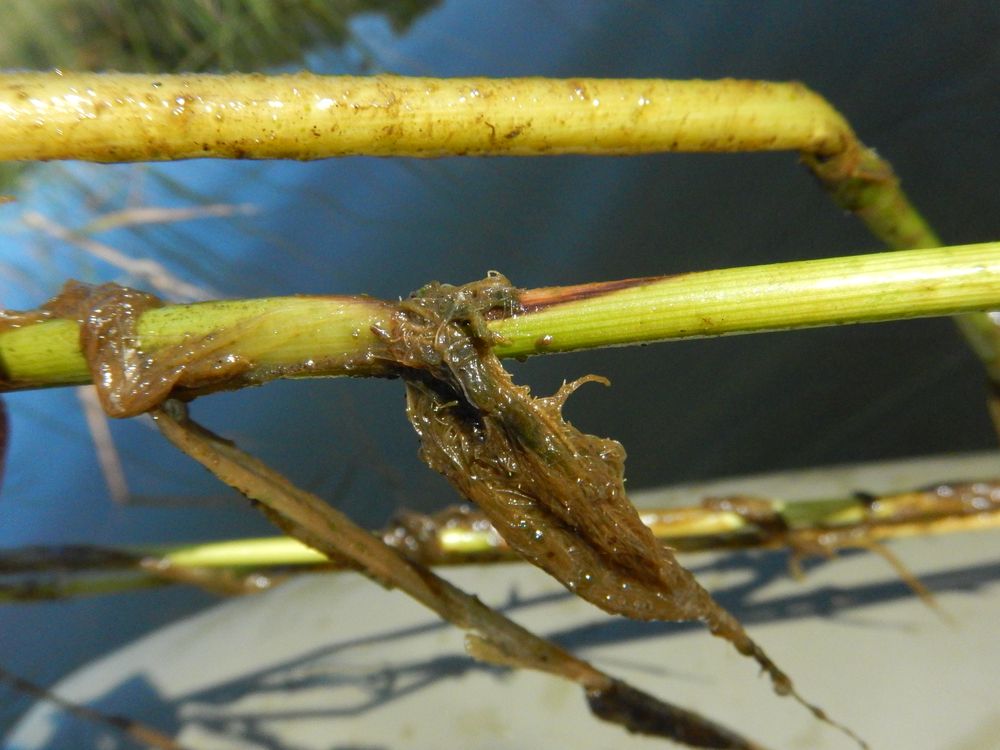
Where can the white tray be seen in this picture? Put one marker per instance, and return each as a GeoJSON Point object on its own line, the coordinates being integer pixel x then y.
{"type": "Point", "coordinates": [333, 661]}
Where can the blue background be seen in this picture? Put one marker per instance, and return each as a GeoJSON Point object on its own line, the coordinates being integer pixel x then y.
{"type": "Point", "coordinates": [918, 80]}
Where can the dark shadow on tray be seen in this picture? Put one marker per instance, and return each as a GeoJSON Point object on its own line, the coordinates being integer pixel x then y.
{"type": "Point", "coordinates": [355, 692]}
{"type": "Point", "coordinates": [134, 698]}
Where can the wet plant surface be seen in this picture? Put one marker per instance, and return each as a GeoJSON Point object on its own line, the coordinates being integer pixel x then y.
{"type": "Point", "coordinates": [734, 431]}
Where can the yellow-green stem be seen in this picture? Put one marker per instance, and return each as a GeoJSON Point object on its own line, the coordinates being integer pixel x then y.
{"type": "Point", "coordinates": [126, 117]}
{"type": "Point", "coordinates": [460, 538]}
{"type": "Point", "coordinates": [114, 117]}
{"type": "Point", "coordinates": [312, 335]}
{"type": "Point", "coordinates": [855, 289]}
{"type": "Point", "coordinates": [328, 336]}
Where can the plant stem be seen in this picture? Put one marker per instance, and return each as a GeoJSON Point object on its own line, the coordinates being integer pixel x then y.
{"type": "Point", "coordinates": [313, 335]}
{"type": "Point", "coordinates": [113, 117]}
{"type": "Point", "coordinates": [126, 117]}
{"type": "Point", "coordinates": [328, 336]}
{"type": "Point", "coordinates": [853, 289]}
{"type": "Point", "coordinates": [464, 538]}
{"type": "Point", "coordinates": [458, 537]}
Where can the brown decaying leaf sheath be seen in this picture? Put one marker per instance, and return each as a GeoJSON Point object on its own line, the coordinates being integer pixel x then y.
{"type": "Point", "coordinates": [130, 381]}
{"type": "Point", "coordinates": [555, 494]}
{"type": "Point", "coordinates": [490, 636]}
{"type": "Point", "coordinates": [142, 734]}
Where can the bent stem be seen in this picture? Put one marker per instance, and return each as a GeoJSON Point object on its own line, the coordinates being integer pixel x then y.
{"type": "Point", "coordinates": [331, 336]}
{"type": "Point", "coordinates": [489, 635]}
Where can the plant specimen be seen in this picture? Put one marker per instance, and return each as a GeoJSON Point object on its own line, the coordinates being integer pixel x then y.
{"type": "Point", "coordinates": [554, 494]}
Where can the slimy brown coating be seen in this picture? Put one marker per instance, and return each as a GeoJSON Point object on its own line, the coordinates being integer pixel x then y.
{"type": "Point", "coordinates": [130, 381]}
{"type": "Point", "coordinates": [555, 494]}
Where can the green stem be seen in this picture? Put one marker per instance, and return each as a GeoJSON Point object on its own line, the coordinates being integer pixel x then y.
{"type": "Point", "coordinates": [119, 117]}
{"type": "Point", "coordinates": [287, 336]}
{"type": "Point", "coordinates": [327, 336]}
{"type": "Point", "coordinates": [863, 183]}
{"type": "Point", "coordinates": [465, 537]}
{"type": "Point", "coordinates": [982, 331]}
{"type": "Point", "coordinates": [855, 289]}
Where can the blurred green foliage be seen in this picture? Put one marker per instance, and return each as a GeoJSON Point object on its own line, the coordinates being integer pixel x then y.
{"type": "Point", "coordinates": [182, 35]}
{"type": "Point", "coordinates": [164, 36]}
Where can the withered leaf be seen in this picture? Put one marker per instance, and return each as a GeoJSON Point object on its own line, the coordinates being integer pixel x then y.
{"type": "Point", "coordinates": [555, 494]}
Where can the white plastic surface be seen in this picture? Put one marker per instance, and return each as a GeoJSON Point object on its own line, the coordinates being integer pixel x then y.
{"type": "Point", "coordinates": [332, 661]}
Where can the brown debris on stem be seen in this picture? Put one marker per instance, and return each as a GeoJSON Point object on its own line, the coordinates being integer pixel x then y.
{"type": "Point", "coordinates": [463, 534]}
{"type": "Point", "coordinates": [863, 183]}
{"type": "Point", "coordinates": [763, 515]}
{"type": "Point", "coordinates": [130, 381]}
{"type": "Point", "coordinates": [555, 494]}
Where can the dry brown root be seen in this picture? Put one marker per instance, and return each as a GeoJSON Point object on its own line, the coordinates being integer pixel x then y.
{"type": "Point", "coordinates": [908, 577]}
{"type": "Point", "coordinates": [774, 531]}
